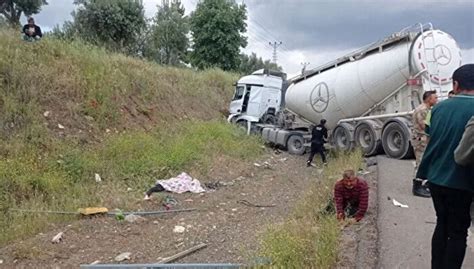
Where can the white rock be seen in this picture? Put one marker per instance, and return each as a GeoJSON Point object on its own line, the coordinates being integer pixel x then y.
{"type": "Point", "coordinates": [129, 189]}
{"type": "Point", "coordinates": [156, 222]}
{"type": "Point", "coordinates": [60, 126]}
{"type": "Point", "coordinates": [179, 229]}
{"type": "Point", "coordinates": [57, 238]}
{"type": "Point", "coordinates": [122, 257]}
{"type": "Point", "coordinates": [46, 114]}
{"type": "Point", "coordinates": [95, 262]}
{"type": "Point", "coordinates": [97, 178]}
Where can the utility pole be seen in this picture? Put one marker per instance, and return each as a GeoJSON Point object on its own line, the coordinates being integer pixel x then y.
{"type": "Point", "coordinates": [275, 45]}
{"type": "Point", "coordinates": [303, 70]}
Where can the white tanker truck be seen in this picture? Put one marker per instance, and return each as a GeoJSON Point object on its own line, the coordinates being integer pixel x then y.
{"type": "Point", "coordinates": [367, 97]}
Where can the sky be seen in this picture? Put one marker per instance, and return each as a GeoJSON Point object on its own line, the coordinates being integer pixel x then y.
{"type": "Point", "coordinates": [316, 31]}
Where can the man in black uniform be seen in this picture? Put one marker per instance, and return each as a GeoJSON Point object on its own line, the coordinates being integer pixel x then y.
{"type": "Point", "coordinates": [319, 137]}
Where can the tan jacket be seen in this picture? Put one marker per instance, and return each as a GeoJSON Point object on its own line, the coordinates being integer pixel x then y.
{"type": "Point", "coordinates": [464, 153]}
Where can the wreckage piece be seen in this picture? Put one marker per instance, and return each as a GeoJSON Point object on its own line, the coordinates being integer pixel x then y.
{"type": "Point", "coordinates": [183, 253]}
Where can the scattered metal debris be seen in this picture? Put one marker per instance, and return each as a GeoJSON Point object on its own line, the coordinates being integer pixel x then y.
{"type": "Point", "coordinates": [183, 253]}
{"type": "Point", "coordinates": [97, 178]}
{"type": "Point", "coordinates": [164, 266]}
{"type": "Point", "coordinates": [247, 203]}
{"type": "Point", "coordinates": [123, 256]}
{"type": "Point", "coordinates": [57, 238]}
{"type": "Point", "coordinates": [397, 203]}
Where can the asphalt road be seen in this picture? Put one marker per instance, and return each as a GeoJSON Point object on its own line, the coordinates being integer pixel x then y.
{"type": "Point", "coordinates": [405, 233]}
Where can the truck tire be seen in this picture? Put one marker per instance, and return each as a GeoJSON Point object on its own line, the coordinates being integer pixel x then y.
{"type": "Point", "coordinates": [343, 136]}
{"type": "Point", "coordinates": [295, 145]}
{"type": "Point", "coordinates": [396, 140]}
{"type": "Point", "coordinates": [367, 138]}
{"type": "Point", "coordinates": [269, 119]}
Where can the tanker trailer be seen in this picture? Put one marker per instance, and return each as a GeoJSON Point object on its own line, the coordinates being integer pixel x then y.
{"type": "Point", "coordinates": [368, 96]}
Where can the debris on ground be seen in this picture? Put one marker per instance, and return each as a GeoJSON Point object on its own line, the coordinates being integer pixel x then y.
{"type": "Point", "coordinates": [95, 262]}
{"type": "Point", "coordinates": [60, 126]}
{"type": "Point", "coordinates": [371, 161]}
{"type": "Point", "coordinates": [123, 256]}
{"type": "Point", "coordinates": [267, 165]}
{"type": "Point", "coordinates": [179, 229]}
{"type": "Point", "coordinates": [397, 203]}
{"type": "Point", "coordinates": [168, 202]}
{"type": "Point", "coordinates": [363, 173]}
{"type": "Point", "coordinates": [181, 183]}
{"type": "Point", "coordinates": [57, 238]}
{"type": "Point", "coordinates": [183, 253]}
{"type": "Point", "coordinates": [247, 203]}
{"type": "Point", "coordinates": [213, 185]}
{"type": "Point", "coordinates": [46, 114]}
{"type": "Point", "coordinates": [257, 164]}
{"type": "Point", "coordinates": [92, 211]}
{"type": "Point", "coordinates": [97, 178]}
{"type": "Point", "coordinates": [134, 218]}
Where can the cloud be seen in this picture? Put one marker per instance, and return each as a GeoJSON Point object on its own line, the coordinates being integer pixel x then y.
{"type": "Point", "coordinates": [318, 31]}
{"type": "Point", "coordinates": [344, 24]}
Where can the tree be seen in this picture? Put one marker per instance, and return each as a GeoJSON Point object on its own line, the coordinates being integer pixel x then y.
{"type": "Point", "coordinates": [114, 24]}
{"type": "Point", "coordinates": [168, 40]}
{"type": "Point", "coordinates": [249, 64]}
{"type": "Point", "coordinates": [13, 9]}
{"type": "Point", "coordinates": [217, 27]}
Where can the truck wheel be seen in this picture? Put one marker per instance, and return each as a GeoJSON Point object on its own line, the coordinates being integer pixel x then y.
{"type": "Point", "coordinates": [295, 145]}
{"type": "Point", "coordinates": [367, 138]}
{"type": "Point", "coordinates": [269, 119]}
{"type": "Point", "coordinates": [396, 140]}
{"type": "Point", "coordinates": [342, 136]}
{"type": "Point", "coordinates": [243, 125]}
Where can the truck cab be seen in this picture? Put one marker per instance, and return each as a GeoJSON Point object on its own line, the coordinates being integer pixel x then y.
{"type": "Point", "coordinates": [257, 98]}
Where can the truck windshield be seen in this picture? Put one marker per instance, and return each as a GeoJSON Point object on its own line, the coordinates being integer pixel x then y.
{"type": "Point", "coordinates": [239, 92]}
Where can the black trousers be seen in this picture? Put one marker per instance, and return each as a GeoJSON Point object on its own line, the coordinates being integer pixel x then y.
{"type": "Point", "coordinates": [448, 245]}
{"type": "Point", "coordinates": [156, 188]}
{"type": "Point", "coordinates": [317, 148]}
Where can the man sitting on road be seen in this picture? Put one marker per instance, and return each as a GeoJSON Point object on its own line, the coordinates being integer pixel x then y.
{"type": "Point", "coordinates": [351, 196]}
{"type": "Point", "coordinates": [31, 31]}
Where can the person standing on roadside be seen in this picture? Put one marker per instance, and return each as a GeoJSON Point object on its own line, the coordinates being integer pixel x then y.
{"type": "Point", "coordinates": [319, 135]}
{"type": "Point", "coordinates": [451, 184]}
{"type": "Point", "coordinates": [419, 138]}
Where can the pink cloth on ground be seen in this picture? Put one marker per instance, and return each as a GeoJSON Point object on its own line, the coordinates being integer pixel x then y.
{"type": "Point", "coordinates": [182, 183]}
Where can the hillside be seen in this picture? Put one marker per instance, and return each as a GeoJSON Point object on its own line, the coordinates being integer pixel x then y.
{"type": "Point", "coordinates": [69, 110]}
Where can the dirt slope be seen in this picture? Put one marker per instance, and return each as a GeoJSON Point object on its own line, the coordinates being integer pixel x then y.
{"type": "Point", "coordinates": [230, 229]}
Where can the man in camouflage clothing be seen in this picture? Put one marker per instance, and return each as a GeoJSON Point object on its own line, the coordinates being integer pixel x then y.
{"type": "Point", "coordinates": [419, 138]}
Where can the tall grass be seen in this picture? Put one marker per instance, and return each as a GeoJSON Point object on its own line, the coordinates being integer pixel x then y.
{"type": "Point", "coordinates": [309, 238]}
{"type": "Point", "coordinates": [129, 120]}
{"type": "Point", "coordinates": [64, 180]}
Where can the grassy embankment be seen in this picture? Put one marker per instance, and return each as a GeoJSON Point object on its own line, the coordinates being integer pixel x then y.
{"type": "Point", "coordinates": [68, 111]}
{"type": "Point", "coordinates": [309, 237]}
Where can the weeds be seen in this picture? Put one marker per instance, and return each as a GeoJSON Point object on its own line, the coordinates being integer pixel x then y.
{"type": "Point", "coordinates": [309, 238]}
{"type": "Point", "coordinates": [129, 120]}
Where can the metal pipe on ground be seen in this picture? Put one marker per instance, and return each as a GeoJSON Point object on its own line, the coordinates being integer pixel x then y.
{"type": "Point", "coordinates": [163, 266]}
